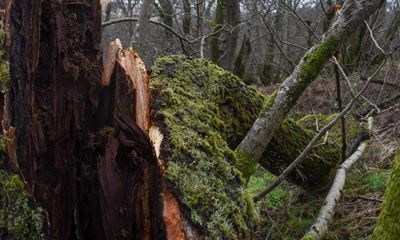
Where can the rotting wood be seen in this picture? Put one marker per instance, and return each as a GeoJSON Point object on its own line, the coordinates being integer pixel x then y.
{"type": "Point", "coordinates": [79, 139]}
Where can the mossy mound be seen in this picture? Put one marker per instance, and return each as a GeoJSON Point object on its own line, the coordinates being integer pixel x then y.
{"type": "Point", "coordinates": [204, 112]}
{"type": "Point", "coordinates": [388, 226]}
{"type": "Point", "coordinates": [189, 105]}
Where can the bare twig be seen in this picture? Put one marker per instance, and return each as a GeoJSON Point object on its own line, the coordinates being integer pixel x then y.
{"type": "Point", "coordinates": [373, 38]}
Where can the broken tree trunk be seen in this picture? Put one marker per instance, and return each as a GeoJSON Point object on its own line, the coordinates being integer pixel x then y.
{"type": "Point", "coordinates": [307, 70]}
{"type": "Point", "coordinates": [77, 140]}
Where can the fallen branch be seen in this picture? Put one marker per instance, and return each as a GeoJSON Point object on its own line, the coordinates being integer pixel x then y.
{"type": "Point", "coordinates": [319, 228]}
{"type": "Point", "coordinates": [313, 142]}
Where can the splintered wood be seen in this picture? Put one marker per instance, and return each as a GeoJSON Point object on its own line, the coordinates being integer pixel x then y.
{"type": "Point", "coordinates": [135, 74]}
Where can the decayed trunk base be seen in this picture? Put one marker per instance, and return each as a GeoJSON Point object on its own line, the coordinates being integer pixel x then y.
{"type": "Point", "coordinates": [80, 142]}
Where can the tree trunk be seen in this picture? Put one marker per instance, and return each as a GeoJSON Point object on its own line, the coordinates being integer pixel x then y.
{"type": "Point", "coordinates": [187, 17]}
{"type": "Point", "coordinates": [143, 24]}
{"type": "Point", "coordinates": [73, 137]}
{"type": "Point", "coordinates": [227, 15]}
{"type": "Point", "coordinates": [167, 14]}
{"type": "Point", "coordinates": [308, 69]}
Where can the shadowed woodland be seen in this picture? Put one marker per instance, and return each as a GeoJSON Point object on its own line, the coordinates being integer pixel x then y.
{"type": "Point", "coordinates": [200, 119]}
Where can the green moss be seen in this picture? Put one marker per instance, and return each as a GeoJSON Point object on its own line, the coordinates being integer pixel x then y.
{"type": "Point", "coordinates": [193, 100]}
{"type": "Point", "coordinates": [219, 21]}
{"type": "Point", "coordinates": [308, 237]}
{"type": "Point", "coordinates": [107, 131]}
{"type": "Point", "coordinates": [4, 66]}
{"type": "Point", "coordinates": [388, 226]}
{"type": "Point", "coordinates": [315, 61]}
{"type": "Point", "coordinates": [318, 121]}
{"type": "Point", "coordinates": [18, 219]}
{"type": "Point", "coordinates": [246, 164]}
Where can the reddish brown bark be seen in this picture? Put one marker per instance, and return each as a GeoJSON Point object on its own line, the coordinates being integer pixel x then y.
{"type": "Point", "coordinates": [78, 141]}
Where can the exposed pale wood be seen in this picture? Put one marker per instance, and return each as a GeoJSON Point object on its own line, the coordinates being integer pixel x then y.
{"type": "Point", "coordinates": [320, 227]}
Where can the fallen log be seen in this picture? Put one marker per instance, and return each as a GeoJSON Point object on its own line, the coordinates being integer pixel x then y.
{"type": "Point", "coordinates": [204, 100]}
{"type": "Point", "coordinates": [325, 216]}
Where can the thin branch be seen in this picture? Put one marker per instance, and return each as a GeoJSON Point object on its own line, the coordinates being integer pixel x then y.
{"type": "Point", "coordinates": [178, 35]}
{"type": "Point", "coordinates": [344, 75]}
{"type": "Point", "coordinates": [373, 38]}
{"type": "Point", "coordinates": [294, 12]}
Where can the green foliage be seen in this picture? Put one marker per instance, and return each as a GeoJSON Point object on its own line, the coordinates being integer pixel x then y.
{"type": "Point", "coordinates": [4, 66]}
{"type": "Point", "coordinates": [294, 218]}
{"type": "Point", "coordinates": [376, 182]}
{"type": "Point", "coordinates": [17, 215]}
{"type": "Point", "coordinates": [277, 198]}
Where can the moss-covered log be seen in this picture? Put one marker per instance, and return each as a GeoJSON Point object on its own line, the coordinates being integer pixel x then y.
{"type": "Point", "coordinates": [203, 112]}
{"type": "Point", "coordinates": [388, 226]}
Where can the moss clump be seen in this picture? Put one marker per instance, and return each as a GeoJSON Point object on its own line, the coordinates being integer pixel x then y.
{"type": "Point", "coordinates": [19, 219]}
{"type": "Point", "coordinates": [388, 227]}
{"type": "Point", "coordinates": [4, 66]}
{"type": "Point", "coordinates": [315, 61]}
{"type": "Point", "coordinates": [246, 164]}
{"type": "Point", "coordinates": [107, 131]}
{"type": "Point", "coordinates": [318, 121]}
{"type": "Point", "coordinates": [316, 171]}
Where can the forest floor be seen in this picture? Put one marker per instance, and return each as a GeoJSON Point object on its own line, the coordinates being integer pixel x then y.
{"type": "Point", "coordinates": [291, 211]}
